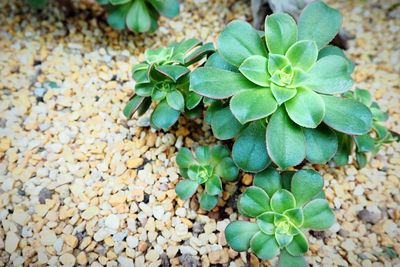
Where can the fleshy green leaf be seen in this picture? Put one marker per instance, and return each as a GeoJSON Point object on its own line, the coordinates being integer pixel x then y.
{"type": "Point", "coordinates": [321, 144]}
{"type": "Point", "coordinates": [138, 18]}
{"type": "Point", "coordinates": [264, 246]}
{"type": "Point", "coordinates": [295, 215]}
{"type": "Point", "coordinates": [132, 106]}
{"type": "Point", "coordinates": [253, 202]}
{"type": "Point", "coordinates": [266, 222]}
{"type": "Point", "coordinates": [307, 108]}
{"type": "Point", "coordinates": [184, 158]}
{"type": "Point", "coordinates": [347, 115]}
{"type": "Point", "coordinates": [306, 184]}
{"type": "Point", "coordinates": [252, 105]}
{"type": "Point", "coordinates": [255, 68]}
{"type": "Point", "coordinates": [186, 188]}
{"type": "Point", "coordinates": [249, 150]}
{"type": "Point", "coordinates": [333, 50]}
{"type": "Point", "coordinates": [364, 96]}
{"type": "Point", "coordinates": [344, 149]}
{"type": "Point", "coordinates": [235, 47]}
{"type": "Point", "coordinates": [286, 259]}
{"type": "Point", "coordinates": [173, 72]}
{"type": "Point", "coordinates": [227, 170]}
{"type": "Point", "coordinates": [361, 159]}
{"type": "Point", "coordinates": [144, 89]}
{"type": "Point", "coordinates": [239, 233]}
{"type": "Point", "coordinates": [365, 143]}
{"type": "Point", "coordinates": [217, 83]}
{"type": "Point", "coordinates": [287, 179]}
{"type": "Point", "coordinates": [318, 215]}
{"type": "Point", "coordinates": [283, 239]}
{"type": "Point", "coordinates": [219, 153]}
{"type": "Point", "coordinates": [192, 100]}
{"type": "Point", "coordinates": [285, 140]}
{"type": "Point", "coordinates": [280, 32]}
{"type": "Point", "coordinates": [163, 116]}
{"type": "Point", "coordinates": [208, 202]}
{"type": "Point", "coordinates": [320, 23]}
{"type": "Point", "coordinates": [213, 185]}
{"type": "Point", "coordinates": [298, 246]}
{"type": "Point", "coordinates": [303, 54]}
{"type": "Point", "coordinates": [199, 53]}
{"type": "Point", "coordinates": [216, 61]}
{"type": "Point", "coordinates": [175, 100]}
{"type": "Point", "coordinates": [203, 154]}
{"type": "Point", "coordinates": [329, 75]}
{"type": "Point", "coordinates": [269, 180]}
{"type": "Point", "coordinates": [223, 124]}
{"type": "Point", "coordinates": [282, 200]}
{"type": "Point", "coordinates": [116, 15]}
{"type": "Point", "coordinates": [167, 8]}
{"type": "Point", "coordinates": [282, 94]}
{"type": "Point", "coordinates": [276, 62]}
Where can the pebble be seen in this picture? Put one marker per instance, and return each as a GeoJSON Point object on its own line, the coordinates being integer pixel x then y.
{"type": "Point", "coordinates": [134, 163]}
{"type": "Point", "coordinates": [371, 214]}
{"type": "Point", "coordinates": [112, 221]}
{"type": "Point", "coordinates": [67, 259]}
{"type": "Point", "coordinates": [132, 241]}
{"type": "Point", "coordinates": [47, 237]}
{"type": "Point", "coordinates": [11, 242]}
{"type": "Point", "coordinates": [125, 262]}
{"type": "Point", "coordinates": [90, 212]}
{"type": "Point", "coordinates": [21, 217]}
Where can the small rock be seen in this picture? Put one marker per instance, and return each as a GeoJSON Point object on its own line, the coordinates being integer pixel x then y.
{"type": "Point", "coordinates": [359, 190]}
{"type": "Point", "coordinates": [348, 245]}
{"type": "Point", "coordinates": [125, 262]}
{"type": "Point", "coordinates": [21, 217]}
{"type": "Point", "coordinates": [47, 237]}
{"type": "Point", "coordinates": [44, 194]}
{"type": "Point", "coordinates": [71, 240]}
{"type": "Point", "coordinates": [158, 212]}
{"type": "Point", "coordinates": [81, 258]}
{"type": "Point", "coordinates": [58, 245]}
{"type": "Point", "coordinates": [112, 221]}
{"type": "Point", "coordinates": [132, 241]}
{"type": "Point", "coordinates": [90, 212]}
{"type": "Point", "coordinates": [370, 215]}
{"type": "Point", "coordinates": [134, 163]}
{"type": "Point", "coordinates": [188, 250]}
{"type": "Point", "coordinates": [11, 243]}
{"type": "Point", "coordinates": [117, 199]}
{"type": "Point", "coordinates": [68, 259]}
{"type": "Point", "coordinates": [188, 261]}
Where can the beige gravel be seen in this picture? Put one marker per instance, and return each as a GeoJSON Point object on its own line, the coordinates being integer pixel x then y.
{"type": "Point", "coordinates": [81, 185]}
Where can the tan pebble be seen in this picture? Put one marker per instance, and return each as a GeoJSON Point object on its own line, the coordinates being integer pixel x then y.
{"type": "Point", "coordinates": [47, 237]}
{"type": "Point", "coordinates": [90, 212]}
{"type": "Point", "coordinates": [187, 222]}
{"type": "Point", "coordinates": [68, 259]}
{"type": "Point", "coordinates": [137, 195]}
{"type": "Point", "coordinates": [11, 242]}
{"type": "Point", "coordinates": [152, 255]}
{"type": "Point", "coordinates": [81, 258]}
{"type": "Point", "coordinates": [142, 246]}
{"type": "Point", "coordinates": [247, 179]}
{"type": "Point", "coordinates": [21, 217]}
{"type": "Point", "coordinates": [71, 240]}
{"type": "Point", "coordinates": [116, 199]}
{"type": "Point", "coordinates": [134, 163]}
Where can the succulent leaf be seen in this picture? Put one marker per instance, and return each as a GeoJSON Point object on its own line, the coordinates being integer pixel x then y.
{"type": "Point", "coordinates": [303, 54]}
{"type": "Point", "coordinates": [286, 259]}
{"type": "Point", "coordinates": [305, 185]}
{"type": "Point", "coordinates": [184, 158]}
{"type": "Point", "coordinates": [213, 185]}
{"type": "Point", "coordinates": [318, 215]}
{"type": "Point", "coordinates": [321, 144]}
{"type": "Point", "coordinates": [186, 188]}
{"type": "Point", "coordinates": [282, 200]}
{"type": "Point", "coordinates": [264, 246]}
{"type": "Point", "coordinates": [280, 32]}
{"type": "Point", "coordinates": [266, 222]}
{"type": "Point", "coordinates": [239, 233]}
{"type": "Point", "coordinates": [255, 69]}
{"type": "Point", "coordinates": [207, 201]}
{"type": "Point", "coordinates": [253, 202]}
{"type": "Point", "coordinates": [227, 170]}
{"type": "Point", "coordinates": [269, 180]}
{"type": "Point", "coordinates": [223, 124]}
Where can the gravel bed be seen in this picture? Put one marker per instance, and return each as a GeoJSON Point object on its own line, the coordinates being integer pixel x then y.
{"type": "Point", "coordinates": [80, 185]}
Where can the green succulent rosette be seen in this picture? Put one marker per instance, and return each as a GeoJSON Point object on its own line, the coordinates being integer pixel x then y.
{"type": "Point", "coordinates": [283, 205]}
{"type": "Point", "coordinates": [208, 167]}
{"type": "Point", "coordinates": [163, 78]}
{"type": "Point", "coordinates": [370, 142]}
{"type": "Point", "coordinates": [138, 15]}
{"type": "Point", "coordinates": [281, 90]}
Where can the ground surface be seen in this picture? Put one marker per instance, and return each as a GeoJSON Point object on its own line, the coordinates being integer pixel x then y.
{"type": "Point", "coordinates": [80, 185]}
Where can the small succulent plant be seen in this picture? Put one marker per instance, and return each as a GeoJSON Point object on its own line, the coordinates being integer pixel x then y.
{"type": "Point", "coordinates": [283, 206]}
{"type": "Point", "coordinates": [138, 15]}
{"type": "Point", "coordinates": [206, 167]}
{"type": "Point", "coordinates": [280, 89]}
{"type": "Point", "coordinates": [366, 143]}
{"type": "Point", "coordinates": [163, 77]}
{"type": "Point", "coordinates": [37, 3]}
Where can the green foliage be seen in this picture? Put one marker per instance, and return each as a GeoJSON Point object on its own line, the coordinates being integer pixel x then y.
{"type": "Point", "coordinates": [283, 205]}
{"type": "Point", "coordinates": [288, 80]}
{"type": "Point", "coordinates": [370, 142]}
{"type": "Point", "coordinates": [163, 78]}
{"type": "Point", "coordinates": [37, 3]}
{"type": "Point", "coordinates": [138, 15]}
{"type": "Point", "coordinates": [207, 166]}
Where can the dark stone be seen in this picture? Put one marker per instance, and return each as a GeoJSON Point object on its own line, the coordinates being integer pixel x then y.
{"type": "Point", "coordinates": [44, 194]}
{"type": "Point", "coordinates": [318, 234]}
{"type": "Point", "coordinates": [165, 260]}
{"type": "Point", "coordinates": [189, 261]}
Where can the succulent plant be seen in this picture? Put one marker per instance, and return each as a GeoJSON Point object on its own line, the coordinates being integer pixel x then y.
{"type": "Point", "coordinates": [366, 143]}
{"type": "Point", "coordinates": [163, 77]}
{"type": "Point", "coordinates": [37, 3]}
{"type": "Point", "coordinates": [206, 167]}
{"type": "Point", "coordinates": [281, 86]}
{"type": "Point", "coordinates": [138, 15]}
{"type": "Point", "coordinates": [283, 206]}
